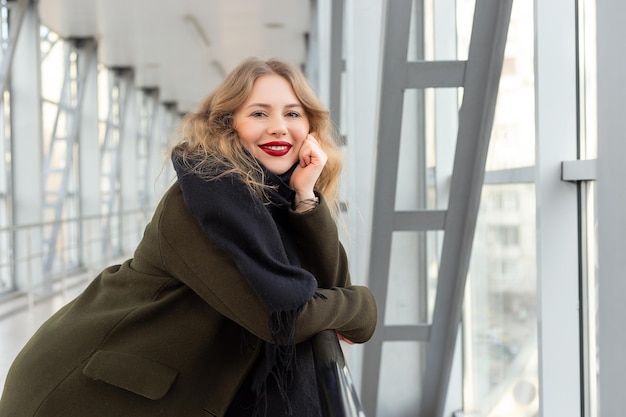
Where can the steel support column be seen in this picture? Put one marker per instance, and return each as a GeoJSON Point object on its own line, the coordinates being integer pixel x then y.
{"type": "Point", "coordinates": [17, 11]}
{"type": "Point", "coordinates": [119, 95]}
{"type": "Point", "coordinates": [157, 157]}
{"type": "Point", "coordinates": [26, 152]}
{"type": "Point", "coordinates": [480, 90]}
{"type": "Point", "coordinates": [89, 159]}
{"type": "Point", "coordinates": [337, 63]}
{"type": "Point", "coordinates": [558, 247]}
{"type": "Point", "coordinates": [60, 176]}
{"type": "Point", "coordinates": [611, 205]}
{"type": "Point", "coordinates": [130, 170]}
{"type": "Point", "coordinates": [148, 112]}
{"type": "Point", "coordinates": [479, 80]}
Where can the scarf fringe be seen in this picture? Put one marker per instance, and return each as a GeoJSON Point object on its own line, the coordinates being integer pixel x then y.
{"type": "Point", "coordinates": [279, 361]}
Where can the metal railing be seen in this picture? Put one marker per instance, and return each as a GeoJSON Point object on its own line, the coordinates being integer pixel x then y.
{"type": "Point", "coordinates": [22, 248]}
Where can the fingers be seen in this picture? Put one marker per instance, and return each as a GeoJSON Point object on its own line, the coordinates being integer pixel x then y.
{"type": "Point", "coordinates": [312, 160]}
{"type": "Point", "coordinates": [305, 156]}
{"type": "Point", "coordinates": [311, 152]}
{"type": "Point", "coordinates": [342, 338]}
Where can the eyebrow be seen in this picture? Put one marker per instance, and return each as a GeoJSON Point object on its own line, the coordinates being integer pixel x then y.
{"type": "Point", "coordinates": [267, 106]}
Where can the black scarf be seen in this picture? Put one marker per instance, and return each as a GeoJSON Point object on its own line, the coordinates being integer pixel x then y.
{"type": "Point", "coordinates": [255, 234]}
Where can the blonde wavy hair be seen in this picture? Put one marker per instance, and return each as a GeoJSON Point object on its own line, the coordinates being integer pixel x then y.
{"type": "Point", "coordinates": [209, 146]}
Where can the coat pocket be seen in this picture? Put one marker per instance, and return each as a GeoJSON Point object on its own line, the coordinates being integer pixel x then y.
{"type": "Point", "coordinates": [133, 373]}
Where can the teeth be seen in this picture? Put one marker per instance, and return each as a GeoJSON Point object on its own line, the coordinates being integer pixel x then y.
{"type": "Point", "coordinates": [277, 148]}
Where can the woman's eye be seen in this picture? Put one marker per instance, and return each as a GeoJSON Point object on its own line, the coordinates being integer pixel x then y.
{"type": "Point", "coordinates": [258, 114]}
{"type": "Point", "coordinates": [293, 114]}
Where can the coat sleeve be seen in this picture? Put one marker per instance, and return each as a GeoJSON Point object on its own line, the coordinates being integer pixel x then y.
{"type": "Point", "coordinates": [191, 257]}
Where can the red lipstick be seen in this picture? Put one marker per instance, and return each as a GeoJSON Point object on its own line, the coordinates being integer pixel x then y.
{"type": "Point", "coordinates": [277, 148]}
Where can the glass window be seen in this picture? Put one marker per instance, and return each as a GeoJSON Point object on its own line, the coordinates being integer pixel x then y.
{"type": "Point", "coordinates": [500, 343]}
{"type": "Point", "coordinates": [512, 142]}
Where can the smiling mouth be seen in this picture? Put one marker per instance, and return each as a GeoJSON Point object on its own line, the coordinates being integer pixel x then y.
{"type": "Point", "coordinates": [276, 148]}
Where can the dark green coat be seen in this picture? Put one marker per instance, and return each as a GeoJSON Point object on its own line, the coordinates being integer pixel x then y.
{"type": "Point", "coordinates": [161, 334]}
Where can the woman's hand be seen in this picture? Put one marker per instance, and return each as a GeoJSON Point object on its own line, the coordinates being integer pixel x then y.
{"type": "Point", "coordinates": [344, 339]}
{"type": "Point", "coordinates": [312, 160]}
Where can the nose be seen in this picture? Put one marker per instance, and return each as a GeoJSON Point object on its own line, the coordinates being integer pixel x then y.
{"type": "Point", "coordinates": [277, 127]}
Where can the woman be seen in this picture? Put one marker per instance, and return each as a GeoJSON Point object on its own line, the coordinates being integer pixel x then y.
{"type": "Point", "coordinates": [240, 266]}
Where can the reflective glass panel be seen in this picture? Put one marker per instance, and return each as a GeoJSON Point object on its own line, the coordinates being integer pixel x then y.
{"type": "Point", "coordinates": [500, 332]}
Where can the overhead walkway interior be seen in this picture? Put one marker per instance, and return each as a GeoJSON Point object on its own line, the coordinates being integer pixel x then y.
{"type": "Point", "coordinates": [482, 197]}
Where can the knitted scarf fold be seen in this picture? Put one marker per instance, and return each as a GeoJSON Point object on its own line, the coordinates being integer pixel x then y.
{"type": "Point", "coordinates": [255, 235]}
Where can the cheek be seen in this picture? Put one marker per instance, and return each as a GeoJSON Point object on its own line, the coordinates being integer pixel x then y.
{"type": "Point", "coordinates": [245, 133]}
{"type": "Point", "coordinates": [247, 143]}
{"type": "Point", "coordinates": [301, 131]}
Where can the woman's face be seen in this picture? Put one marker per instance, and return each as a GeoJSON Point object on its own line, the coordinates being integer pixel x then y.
{"type": "Point", "coordinates": [272, 124]}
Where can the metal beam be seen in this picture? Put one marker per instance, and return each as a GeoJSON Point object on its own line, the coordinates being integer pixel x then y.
{"type": "Point", "coordinates": [17, 12]}
{"type": "Point", "coordinates": [396, 23]}
{"type": "Point", "coordinates": [557, 123]}
{"type": "Point", "coordinates": [89, 163]}
{"type": "Point", "coordinates": [419, 220]}
{"type": "Point", "coordinates": [419, 333]}
{"type": "Point", "coordinates": [611, 205]}
{"type": "Point", "coordinates": [120, 89]}
{"type": "Point", "coordinates": [130, 192]}
{"type": "Point", "coordinates": [435, 74]}
{"type": "Point", "coordinates": [482, 76]}
{"type": "Point", "coordinates": [64, 140]}
{"type": "Point", "coordinates": [26, 142]}
{"type": "Point", "coordinates": [479, 76]}
{"type": "Point", "coordinates": [148, 112]}
{"type": "Point", "coordinates": [337, 65]}
{"type": "Point", "coordinates": [510, 176]}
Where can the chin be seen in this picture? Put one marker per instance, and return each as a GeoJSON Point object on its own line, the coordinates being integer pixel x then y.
{"type": "Point", "coordinates": [277, 170]}
{"type": "Point", "coordinates": [278, 167]}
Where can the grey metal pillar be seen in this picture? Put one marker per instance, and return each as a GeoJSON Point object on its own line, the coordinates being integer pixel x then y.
{"type": "Point", "coordinates": [165, 171]}
{"type": "Point", "coordinates": [479, 77]}
{"type": "Point", "coordinates": [13, 16]}
{"type": "Point", "coordinates": [129, 170]}
{"type": "Point", "coordinates": [611, 205]}
{"type": "Point", "coordinates": [556, 124]}
{"type": "Point", "coordinates": [26, 152]}
{"type": "Point", "coordinates": [145, 143]}
{"type": "Point", "coordinates": [16, 12]}
{"type": "Point", "coordinates": [89, 158]}
{"type": "Point", "coordinates": [157, 155]}
{"type": "Point", "coordinates": [60, 176]}
{"type": "Point", "coordinates": [337, 63]}
{"type": "Point", "coordinates": [446, 125]}
{"type": "Point", "coordinates": [119, 95]}
{"type": "Point", "coordinates": [311, 69]}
